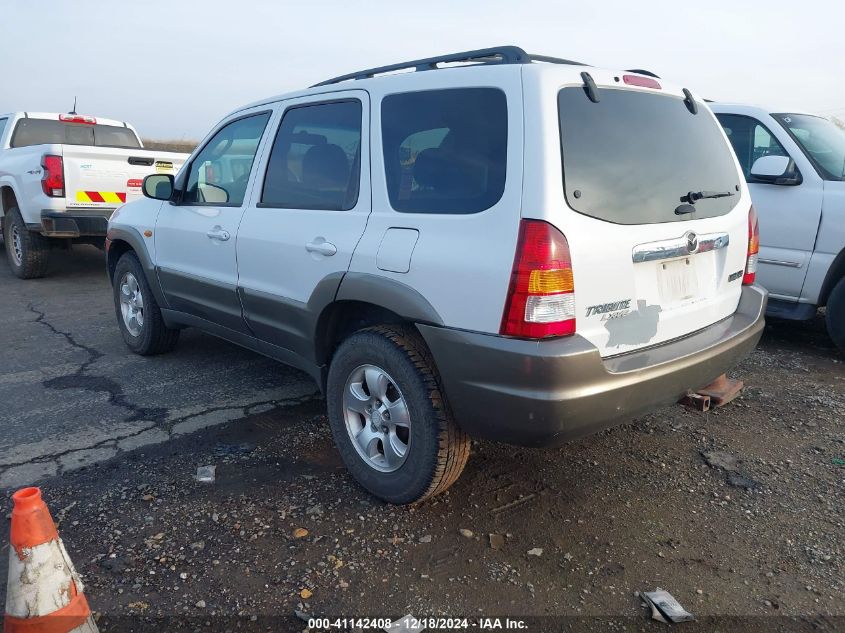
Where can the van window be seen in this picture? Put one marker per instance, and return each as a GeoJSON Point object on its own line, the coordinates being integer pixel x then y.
{"type": "Point", "coordinates": [220, 172]}
{"type": "Point", "coordinates": [316, 158]}
{"type": "Point", "coordinates": [49, 131]}
{"type": "Point", "coordinates": [750, 139]}
{"type": "Point", "coordinates": [631, 157]}
{"type": "Point", "coordinates": [445, 151]}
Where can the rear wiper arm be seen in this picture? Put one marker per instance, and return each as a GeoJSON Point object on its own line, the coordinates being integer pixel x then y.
{"type": "Point", "coordinates": [693, 196]}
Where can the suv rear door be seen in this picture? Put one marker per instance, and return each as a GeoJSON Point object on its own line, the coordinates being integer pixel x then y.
{"type": "Point", "coordinates": [644, 274]}
{"type": "Point", "coordinates": [309, 209]}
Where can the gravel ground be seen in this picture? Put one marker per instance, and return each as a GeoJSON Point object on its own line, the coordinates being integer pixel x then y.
{"type": "Point", "coordinates": [737, 512]}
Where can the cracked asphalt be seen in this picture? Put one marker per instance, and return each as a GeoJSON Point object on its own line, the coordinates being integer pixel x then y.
{"type": "Point", "coordinates": [72, 395]}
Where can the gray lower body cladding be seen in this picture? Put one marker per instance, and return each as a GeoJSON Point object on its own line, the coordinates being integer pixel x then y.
{"type": "Point", "coordinates": [543, 393]}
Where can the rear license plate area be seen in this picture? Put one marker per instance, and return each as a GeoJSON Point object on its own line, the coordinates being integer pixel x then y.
{"type": "Point", "coordinates": [677, 281]}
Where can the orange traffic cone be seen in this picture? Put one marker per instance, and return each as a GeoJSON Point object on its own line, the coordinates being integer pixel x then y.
{"type": "Point", "coordinates": [44, 593]}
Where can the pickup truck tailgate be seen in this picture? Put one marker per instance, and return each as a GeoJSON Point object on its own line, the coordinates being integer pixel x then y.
{"type": "Point", "coordinates": [106, 177]}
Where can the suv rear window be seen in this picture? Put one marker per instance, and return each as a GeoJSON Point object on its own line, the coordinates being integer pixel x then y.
{"type": "Point", "coordinates": [445, 151]}
{"type": "Point", "coordinates": [631, 157]}
{"type": "Point", "coordinates": [47, 131]}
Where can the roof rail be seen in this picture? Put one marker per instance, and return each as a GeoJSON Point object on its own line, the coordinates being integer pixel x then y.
{"type": "Point", "coordinates": [497, 55]}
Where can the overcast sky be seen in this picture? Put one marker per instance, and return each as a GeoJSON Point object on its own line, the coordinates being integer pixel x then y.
{"type": "Point", "coordinates": [175, 67]}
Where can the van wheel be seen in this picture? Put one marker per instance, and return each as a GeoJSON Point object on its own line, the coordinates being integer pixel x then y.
{"type": "Point", "coordinates": [390, 421]}
{"type": "Point", "coordinates": [138, 314]}
{"type": "Point", "coordinates": [26, 250]}
{"type": "Point", "coordinates": [836, 315]}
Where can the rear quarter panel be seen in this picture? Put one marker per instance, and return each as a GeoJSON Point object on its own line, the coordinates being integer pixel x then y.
{"type": "Point", "coordinates": [461, 264]}
{"type": "Point", "coordinates": [21, 171]}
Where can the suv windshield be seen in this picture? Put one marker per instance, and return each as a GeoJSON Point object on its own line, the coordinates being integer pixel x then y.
{"type": "Point", "coordinates": [633, 157]}
{"type": "Point", "coordinates": [48, 131]}
{"type": "Point", "coordinates": [821, 140]}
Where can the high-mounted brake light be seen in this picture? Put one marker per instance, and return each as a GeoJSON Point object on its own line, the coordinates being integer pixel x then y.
{"type": "Point", "coordinates": [77, 118]}
{"type": "Point", "coordinates": [642, 82]}
{"type": "Point", "coordinates": [53, 180]}
{"type": "Point", "coordinates": [753, 248]}
{"type": "Point", "coordinates": [541, 297]}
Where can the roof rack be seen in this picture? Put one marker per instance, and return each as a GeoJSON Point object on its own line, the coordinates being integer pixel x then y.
{"type": "Point", "coordinates": [497, 55]}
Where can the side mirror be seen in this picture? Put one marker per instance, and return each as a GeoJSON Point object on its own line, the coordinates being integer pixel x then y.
{"type": "Point", "coordinates": [776, 170]}
{"type": "Point", "coordinates": [158, 186]}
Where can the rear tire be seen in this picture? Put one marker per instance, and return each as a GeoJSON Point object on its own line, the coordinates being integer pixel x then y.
{"type": "Point", "coordinates": [836, 315]}
{"type": "Point", "coordinates": [138, 314]}
{"type": "Point", "coordinates": [26, 250]}
{"type": "Point", "coordinates": [419, 450]}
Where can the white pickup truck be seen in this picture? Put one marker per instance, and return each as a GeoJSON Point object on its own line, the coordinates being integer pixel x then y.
{"type": "Point", "coordinates": [795, 167]}
{"type": "Point", "coordinates": [62, 176]}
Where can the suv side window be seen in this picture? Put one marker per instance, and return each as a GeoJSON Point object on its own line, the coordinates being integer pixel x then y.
{"type": "Point", "coordinates": [220, 172]}
{"type": "Point", "coordinates": [3, 127]}
{"type": "Point", "coordinates": [750, 139]}
{"type": "Point", "coordinates": [315, 162]}
{"type": "Point", "coordinates": [445, 151]}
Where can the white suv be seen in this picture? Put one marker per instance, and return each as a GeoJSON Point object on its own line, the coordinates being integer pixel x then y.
{"type": "Point", "coordinates": [497, 245]}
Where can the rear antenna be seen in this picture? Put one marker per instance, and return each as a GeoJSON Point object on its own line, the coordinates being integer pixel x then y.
{"type": "Point", "coordinates": [74, 106]}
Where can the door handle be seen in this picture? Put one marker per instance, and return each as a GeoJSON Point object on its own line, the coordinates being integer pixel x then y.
{"type": "Point", "coordinates": [321, 246]}
{"type": "Point", "coordinates": [218, 233]}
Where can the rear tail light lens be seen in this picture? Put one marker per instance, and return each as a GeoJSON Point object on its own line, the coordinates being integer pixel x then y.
{"type": "Point", "coordinates": [541, 297]}
{"type": "Point", "coordinates": [53, 180]}
{"type": "Point", "coordinates": [753, 248]}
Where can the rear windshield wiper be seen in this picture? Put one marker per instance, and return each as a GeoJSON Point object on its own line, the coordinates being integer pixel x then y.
{"type": "Point", "coordinates": [693, 196]}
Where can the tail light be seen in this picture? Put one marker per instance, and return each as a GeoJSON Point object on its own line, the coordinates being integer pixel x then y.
{"type": "Point", "coordinates": [753, 248]}
{"type": "Point", "coordinates": [53, 180]}
{"type": "Point", "coordinates": [643, 82]}
{"type": "Point", "coordinates": [541, 297]}
{"type": "Point", "coordinates": [77, 118]}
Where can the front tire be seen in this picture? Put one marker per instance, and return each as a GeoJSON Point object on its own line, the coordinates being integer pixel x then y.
{"type": "Point", "coordinates": [390, 421]}
{"type": "Point", "coordinates": [26, 250]}
{"type": "Point", "coordinates": [836, 315]}
{"type": "Point", "coordinates": [138, 314]}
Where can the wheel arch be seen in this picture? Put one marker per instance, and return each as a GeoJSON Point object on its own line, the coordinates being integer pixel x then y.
{"type": "Point", "coordinates": [835, 273]}
{"type": "Point", "coordinates": [364, 300]}
{"type": "Point", "coordinates": [124, 239]}
{"type": "Point", "coordinates": [8, 199]}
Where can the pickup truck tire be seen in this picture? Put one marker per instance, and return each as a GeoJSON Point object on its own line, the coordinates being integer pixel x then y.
{"type": "Point", "coordinates": [26, 250]}
{"type": "Point", "coordinates": [138, 314]}
{"type": "Point", "coordinates": [419, 450]}
{"type": "Point", "coordinates": [836, 314]}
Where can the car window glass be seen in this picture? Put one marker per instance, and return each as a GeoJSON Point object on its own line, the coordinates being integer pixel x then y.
{"type": "Point", "coordinates": [445, 151]}
{"type": "Point", "coordinates": [315, 162]}
{"type": "Point", "coordinates": [821, 140]}
{"type": "Point", "coordinates": [750, 140]}
{"type": "Point", "coordinates": [220, 172]}
{"type": "Point", "coordinates": [631, 157]}
{"type": "Point", "coordinates": [30, 132]}
{"type": "Point", "coordinates": [2, 127]}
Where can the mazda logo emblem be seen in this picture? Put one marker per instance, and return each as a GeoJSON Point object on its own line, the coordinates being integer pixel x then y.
{"type": "Point", "coordinates": [692, 242]}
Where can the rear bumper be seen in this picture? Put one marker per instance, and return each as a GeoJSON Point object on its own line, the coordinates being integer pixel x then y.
{"type": "Point", "coordinates": [76, 223]}
{"type": "Point", "coordinates": [536, 393]}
